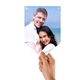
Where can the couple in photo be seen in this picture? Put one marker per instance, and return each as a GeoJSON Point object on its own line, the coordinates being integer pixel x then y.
{"type": "Point", "coordinates": [39, 37]}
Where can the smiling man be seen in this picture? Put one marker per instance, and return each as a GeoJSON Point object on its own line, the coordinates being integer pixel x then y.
{"type": "Point", "coordinates": [31, 36]}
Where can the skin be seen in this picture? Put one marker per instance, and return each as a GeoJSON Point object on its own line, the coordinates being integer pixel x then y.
{"type": "Point", "coordinates": [47, 66]}
{"type": "Point", "coordinates": [44, 38]}
{"type": "Point", "coordinates": [39, 19]}
{"type": "Point", "coordinates": [31, 45]}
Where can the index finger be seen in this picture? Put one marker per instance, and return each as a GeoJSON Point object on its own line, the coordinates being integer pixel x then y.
{"type": "Point", "coordinates": [51, 59]}
{"type": "Point", "coordinates": [43, 57]}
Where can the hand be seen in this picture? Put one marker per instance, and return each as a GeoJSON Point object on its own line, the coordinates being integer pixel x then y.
{"type": "Point", "coordinates": [47, 66]}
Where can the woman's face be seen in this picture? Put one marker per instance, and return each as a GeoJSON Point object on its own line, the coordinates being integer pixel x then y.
{"type": "Point", "coordinates": [44, 38]}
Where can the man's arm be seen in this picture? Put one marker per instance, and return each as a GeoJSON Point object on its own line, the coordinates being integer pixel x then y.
{"type": "Point", "coordinates": [31, 45]}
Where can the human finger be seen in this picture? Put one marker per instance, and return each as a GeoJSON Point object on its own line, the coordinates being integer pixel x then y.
{"type": "Point", "coordinates": [50, 58]}
{"type": "Point", "coordinates": [43, 57]}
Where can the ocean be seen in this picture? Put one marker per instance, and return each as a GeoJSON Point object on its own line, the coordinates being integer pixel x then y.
{"type": "Point", "coordinates": [57, 33]}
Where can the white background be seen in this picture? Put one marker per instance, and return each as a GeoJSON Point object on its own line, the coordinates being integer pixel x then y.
{"type": "Point", "coordinates": [13, 51]}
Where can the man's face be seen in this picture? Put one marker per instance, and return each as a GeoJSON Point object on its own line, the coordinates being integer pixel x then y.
{"type": "Point", "coordinates": [39, 19]}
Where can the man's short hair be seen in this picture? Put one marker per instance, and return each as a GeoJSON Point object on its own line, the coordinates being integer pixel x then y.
{"type": "Point", "coordinates": [43, 10]}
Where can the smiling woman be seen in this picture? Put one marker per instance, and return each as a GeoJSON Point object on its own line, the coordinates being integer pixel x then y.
{"type": "Point", "coordinates": [46, 36]}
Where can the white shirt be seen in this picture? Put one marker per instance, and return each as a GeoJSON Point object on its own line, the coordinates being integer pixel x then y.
{"type": "Point", "coordinates": [32, 36]}
{"type": "Point", "coordinates": [31, 33]}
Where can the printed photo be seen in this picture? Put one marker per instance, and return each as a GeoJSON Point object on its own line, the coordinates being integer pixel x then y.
{"type": "Point", "coordinates": [42, 29]}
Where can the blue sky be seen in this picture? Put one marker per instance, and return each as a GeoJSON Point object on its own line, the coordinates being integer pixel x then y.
{"type": "Point", "coordinates": [53, 19]}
